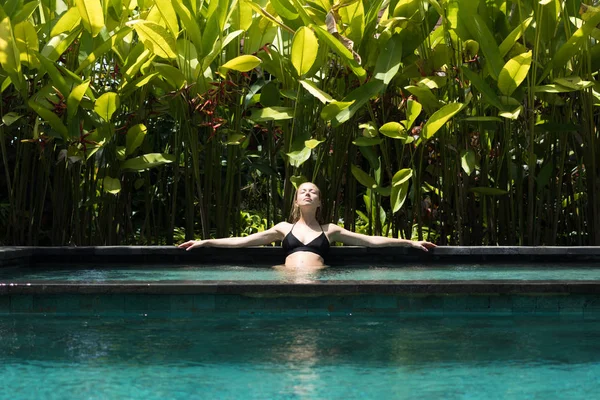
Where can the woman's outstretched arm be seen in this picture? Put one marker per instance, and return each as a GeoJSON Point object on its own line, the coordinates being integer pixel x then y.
{"type": "Point", "coordinates": [339, 234]}
{"type": "Point", "coordinates": [256, 239]}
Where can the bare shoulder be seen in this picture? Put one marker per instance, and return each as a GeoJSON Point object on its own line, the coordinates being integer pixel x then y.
{"type": "Point", "coordinates": [331, 228]}
{"type": "Point", "coordinates": [282, 227]}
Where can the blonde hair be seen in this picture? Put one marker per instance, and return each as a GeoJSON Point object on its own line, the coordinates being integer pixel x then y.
{"type": "Point", "coordinates": [295, 213]}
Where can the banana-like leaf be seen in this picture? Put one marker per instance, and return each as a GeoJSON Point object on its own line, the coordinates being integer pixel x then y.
{"type": "Point", "coordinates": [75, 98]}
{"type": "Point", "coordinates": [9, 52]}
{"type": "Point", "coordinates": [130, 87]}
{"type": "Point", "coordinates": [512, 37]}
{"type": "Point", "coordinates": [135, 137]}
{"type": "Point", "coordinates": [334, 108]}
{"type": "Point", "coordinates": [58, 80]}
{"type": "Point", "coordinates": [106, 105]}
{"type": "Point", "coordinates": [146, 161]}
{"type": "Point", "coordinates": [439, 119]}
{"type": "Point", "coordinates": [25, 12]}
{"type": "Point", "coordinates": [56, 46]}
{"type": "Point", "coordinates": [316, 92]}
{"type": "Point", "coordinates": [398, 196]}
{"type": "Point", "coordinates": [285, 9]}
{"type": "Point", "coordinates": [468, 161]}
{"type": "Point", "coordinates": [170, 74]}
{"type": "Point", "coordinates": [342, 51]}
{"type": "Point", "coordinates": [106, 46]}
{"type": "Point", "coordinates": [514, 73]}
{"type": "Point", "coordinates": [10, 118]}
{"type": "Point", "coordinates": [304, 50]}
{"type": "Point", "coordinates": [359, 97]}
{"type": "Point", "coordinates": [425, 96]}
{"type": "Point", "coordinates": [27, 43]}
{"type": "Point", "coordinates": [111, 185]}
{"type": "Point", "coordinates": [52, 119]}
{"type": "Point", "coordinates": [573, 46]}
{"type": "Point", "coordinates": [155, 38]}
{"type": "Point", "coordinates": [92, 15]}
{"type": "Point", "coordinates": [169, 15]}
{"type": "Point", "coordinates": [489, 94]}
{"type": "Point", "coordinates": [189, 23]}
{"type": "Point", "coordinates": [413, 110]}
{"type": "Point", "coordinates": [389, 60]}
{"type": "Point", "coordinates": [67, 22]}
{"type": "Point", "coordinates": [272, 114]}
{"type": "Point", "coordinates": [243, 63]}
{"type": "Point", "coordinates": [363, 178]}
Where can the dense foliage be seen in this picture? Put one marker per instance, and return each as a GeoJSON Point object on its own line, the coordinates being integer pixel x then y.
{"type": "Point", "coordinates": [143, 121]}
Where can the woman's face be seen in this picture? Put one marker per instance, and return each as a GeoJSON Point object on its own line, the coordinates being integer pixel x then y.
{"type": "Point", "coordinates": [308, 194]}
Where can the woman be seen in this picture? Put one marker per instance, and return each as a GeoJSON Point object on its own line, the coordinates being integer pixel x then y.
{"type": "Point", "coordinates": [306, 240]}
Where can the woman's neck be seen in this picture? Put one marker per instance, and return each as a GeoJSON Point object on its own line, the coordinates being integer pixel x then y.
{"type": "Point", "coordinates": [308, 219]}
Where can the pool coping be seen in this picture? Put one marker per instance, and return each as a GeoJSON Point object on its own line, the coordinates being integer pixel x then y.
{"type": "Point", "coordinates": [346, 255]}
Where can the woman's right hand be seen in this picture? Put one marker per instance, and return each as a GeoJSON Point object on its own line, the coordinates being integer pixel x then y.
{"type": "Point", "coordinates": [190, 244]}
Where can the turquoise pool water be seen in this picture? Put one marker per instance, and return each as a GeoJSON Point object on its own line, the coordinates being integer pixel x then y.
{"type": "Point", "coordinates": [87, 272]}
{"type": "Point", "coordinates": [299, 358]}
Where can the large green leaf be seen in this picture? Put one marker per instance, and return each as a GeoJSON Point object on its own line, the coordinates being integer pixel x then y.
{"type": "Point", "coordinates": [439, 119]}
{"type": "Point", "coordinates": [298, 157]}
{"type": "Point", "coordinates": [111, 185]}
{"type": "Point", "coordinates": [573, 45]}
{"type": "Point", "coordinates": [304, 50]}
{"type": "Point", "coordinates": [169, 15]}
{"type": "Point", "coordinates": [67, 22]}
{"type": "Point", "coordinates": [514, 73]}
{"type": "Point", "coordinates": [515, 35]}
{"type": "Point", "coordinates": [398, 196]}
{"type": "Point", "coordinates": [342, 51]}
{"type": "Point", "coordinates": [394, 130]}
{"type": "Point", "coordinates": [402, 176]}
{"type": "Point", "coordinates": [334, 108]}
{"type": "Point", "coordinates": [106, 105]}
{"type": "Point", "coordinates": [425, 96]}
{"type": "Point", "coordinates": [9, 52]}
{"type": "Point", "coordinates": [171, 74]}
{"type": "Point", "coordinates": [135, 137]}
{"type": "Point", "coordinates": [106, 46]}
{"type": "Point", "coordinates": [389, 60]}
{"type": "Point", "coordinates": [362, 177]}
{"type": "Point", "coordinates": [480, 31]}
{"type": "Point", "coordinates": [413, 110]}
{"type": "Point", "coordinates": [53, 119]}
{"type": "Point", "coordinates": [75, 98]}
{"type": "Point", "coordinates": [315, 91]}
{"type": "Point", "coordinates": [489, 94]}
{"type": "Point", "coordinates": [155, 38]}
{"type": "Point", "coordinates": [25, 12]}
{"type": "Point", "coordinates": [27, 43]}
{"type": "Point", "coordinates": [56, 46]}
{"type": "Point", "coordinates": [359, 97]}
{"type": "Point", "coordinates": [243, 63]}
{"type": "Point", "coordinates": [146, 161]}
{"type": "Point", "coordinates": [468, 161]}
{"type": "Point", "coordinates": [92, 15]}
{"type": "Point", "coordinates": [189, 24]}
{"type": "Point", "coordinates": [272, 114]}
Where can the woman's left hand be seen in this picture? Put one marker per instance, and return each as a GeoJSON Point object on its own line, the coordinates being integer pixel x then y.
{"type": "Point", "coordinates": [423, 245]}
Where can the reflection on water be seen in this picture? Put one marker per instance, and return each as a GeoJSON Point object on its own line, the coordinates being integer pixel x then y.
{"type": "Point", "coordinates": [102, 273]}
{"type": "Point", "coordinates": [299, 358]}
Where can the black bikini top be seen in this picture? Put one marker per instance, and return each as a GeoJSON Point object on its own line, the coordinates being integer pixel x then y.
{"type": "Point", "coordinates": [319, 245]}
